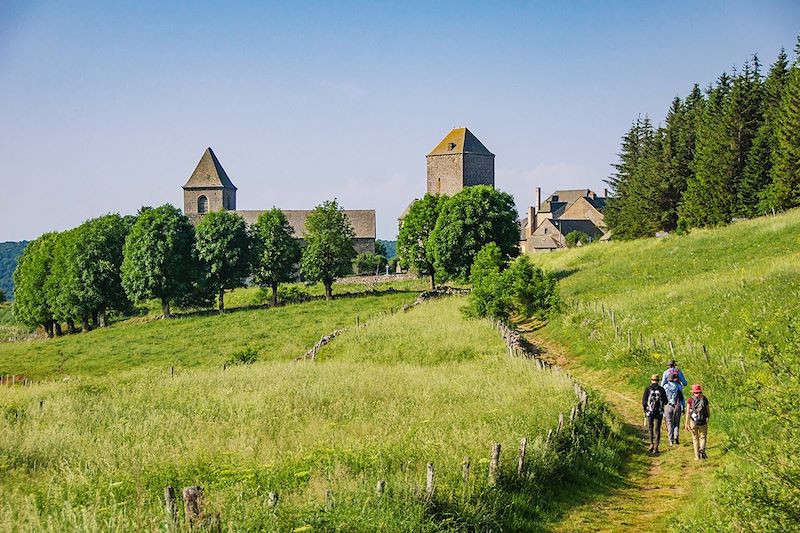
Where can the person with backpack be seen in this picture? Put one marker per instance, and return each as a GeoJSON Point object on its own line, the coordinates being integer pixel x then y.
{"type": "Point", "coordinates": [653, 401]}
{"type": "Point", "coordinates": [697, 416]}
{"type": "Point", "coordinates": [672, 368]}
{"type": "Point", "coordinates": [676, 403]}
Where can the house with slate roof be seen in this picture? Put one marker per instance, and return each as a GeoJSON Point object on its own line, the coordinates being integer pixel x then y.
{"type": "Point", "coordinates": [210, 189]}
{"type": "Point", "coordinates": [549, 222]}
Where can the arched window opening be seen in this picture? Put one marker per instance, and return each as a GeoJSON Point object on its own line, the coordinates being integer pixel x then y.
{"type": "Point", "coordinates": [202, 204]}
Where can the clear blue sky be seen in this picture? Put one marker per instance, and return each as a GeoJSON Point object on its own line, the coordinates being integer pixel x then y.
{"type": "Point", "coordinates": [106, 107]}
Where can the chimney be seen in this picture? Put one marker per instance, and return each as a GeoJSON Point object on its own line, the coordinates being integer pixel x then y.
{"type": "Point", "coordinates": [531, 221]}
{"type": "Point", "coordinates": [538, 198]}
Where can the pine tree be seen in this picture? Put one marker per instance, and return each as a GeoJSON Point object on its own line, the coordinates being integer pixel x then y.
{"type": "Point", "coordinates": [753, 193]}
{"type": "Point", "coordinates": [785, 188]}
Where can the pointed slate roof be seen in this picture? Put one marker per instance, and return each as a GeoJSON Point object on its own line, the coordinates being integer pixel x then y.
{"type": "Point", "coordinates": [209, 173]}
{"type": "Point", "coordinates": [460, 141]}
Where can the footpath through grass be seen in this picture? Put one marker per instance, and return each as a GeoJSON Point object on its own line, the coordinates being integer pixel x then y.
{"type": "Point", "coordinates": [714, 288]}
{"type": "Point", "coordinates": [94, 453]}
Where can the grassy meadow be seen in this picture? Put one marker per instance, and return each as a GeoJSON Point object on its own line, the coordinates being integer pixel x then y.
{"type": "Point", "coordinates": [719, 288]}
{"type": "Point", "coordinates": [94, 452]}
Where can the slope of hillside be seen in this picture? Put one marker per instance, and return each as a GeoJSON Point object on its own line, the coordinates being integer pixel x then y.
{"type": "Point", "coordinates": [95, 451]}
{"type": "Point", "coordinates": [733, 291]}
{"type": "Point", "coordinates": [9, 254]}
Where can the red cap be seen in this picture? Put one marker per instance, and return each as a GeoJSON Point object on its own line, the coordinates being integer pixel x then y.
{"type": "Point", "coordinates": [697, 388]}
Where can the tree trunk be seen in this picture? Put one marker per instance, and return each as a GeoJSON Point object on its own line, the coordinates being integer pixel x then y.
{"type": "Point", "coordinates": [57, 328]}
{"type": "Point", "coordinates": [101, 318]}
{"type": "Point", "coordinates": [433, 280]}
{"type": "Point", "coordinates": [48, 328]}
{"type": "Point", "coordinates": [95, 319]}
{"type": "Point", "coordinates": [221, 301]}
{"type": "Point", "coordinates": [70, 326]}
{"type": "Point", "coordinates": [274, 293]}
{"type": "Point", "coordinates": [85, 324]}
{"type": "Point", "coordinates": [328, 290]}
{"type": "Point", "coordinates": [165, 308]}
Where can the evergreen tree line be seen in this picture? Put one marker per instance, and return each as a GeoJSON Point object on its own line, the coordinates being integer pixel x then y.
{"type": "Point", "coordinates": [109, 263]}
{"type": "Point", "coordinates": [731, 151]}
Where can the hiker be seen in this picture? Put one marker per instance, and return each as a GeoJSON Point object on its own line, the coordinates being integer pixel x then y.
{"type": "Point", "coordinates": [676, 403]}
{"type": "Point", "coordinates": [653, 401]}
{"type": "Point", "coordinates": [697, 415]}
{"type": "Point", "coordinates": [672, 368]}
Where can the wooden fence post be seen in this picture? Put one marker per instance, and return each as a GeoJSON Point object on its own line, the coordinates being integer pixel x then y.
{"type": "Point", "coordinates": [429, 482]}
{"type": "Point", "coordinates": [523, 447]}
{"type": "Point", "coordinates": [171, 508]}
{"type": "Point", "coordinates": [329, 500]}
{"type": "Point", "coordinates": [629, 339]}
{"type": "Point", "coordinates": [705, 353]}
{"type": "Point", "coordinates": [494, 463]}
{"type": "Point", "coordinates": [613, 320]}
{"type": "Point", "coordinates": [193, 505]}
{"type": "Point", "coordinates": [641, 339]}
{"type": "Point", "coordinates": [671, 349]}
{"type": "Point", "coordinates": [654, 343]}
{"type": "Point", "coordinates": [380, 488]}
{"type": "Point", "coordinates": [272, 500]}
{"type": "Point", "coordinates": [549, 436]}
{"type": "Point", "coordinates": [465, 469]}
{"type": "Point", "coordinates": [172, 371]}
{"type": "Point", "coordinates": [560, 425]}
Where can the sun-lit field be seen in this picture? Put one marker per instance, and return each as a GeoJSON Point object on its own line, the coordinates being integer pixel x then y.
{"type": "Point", "coordinates": [95, 452]}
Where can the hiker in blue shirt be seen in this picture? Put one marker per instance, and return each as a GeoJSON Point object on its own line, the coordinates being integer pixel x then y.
{"type": "Point", "coordinates": [673, 369]}
{"type": "Point", "coordinates": [676, 403]}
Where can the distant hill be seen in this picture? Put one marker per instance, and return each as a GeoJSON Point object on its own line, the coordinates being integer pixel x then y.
{"type": "Point", "coordinates": [391, 248]}
{"type": "Point", "coordinates": [9, 254]}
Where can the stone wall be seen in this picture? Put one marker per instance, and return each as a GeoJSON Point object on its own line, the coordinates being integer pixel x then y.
{"type": "Point", "coordinates": [190, 197]}
{"type": "Point", "coordinates": [478, 170]}
{"type": "Point", "coordinates": [445, 174]}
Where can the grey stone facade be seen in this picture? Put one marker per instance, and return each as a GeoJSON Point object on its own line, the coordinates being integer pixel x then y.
{"type": "Point", "coordinates": [210, 181]}
{"type": "Point", "coordinates": [459, 160]}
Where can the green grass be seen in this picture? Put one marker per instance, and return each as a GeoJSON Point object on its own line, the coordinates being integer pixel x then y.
{"type": "Point", "coordinates": [712, 288]}
{"type": "Point", "coordinates": [8, 326]}
{"type": "Point", "coordinates": [381, 402]}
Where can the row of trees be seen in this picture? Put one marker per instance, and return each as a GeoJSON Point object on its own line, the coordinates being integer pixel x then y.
{"type": "Point", "coordinates": [730, 151]}
{"type": "Point", "coordinates": [111, 262]}
{"type": "Point", "coordinates": [440, 236]}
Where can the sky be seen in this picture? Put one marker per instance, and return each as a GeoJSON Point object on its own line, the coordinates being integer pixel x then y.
{"type": "Point", "coordinates": [108, 106]}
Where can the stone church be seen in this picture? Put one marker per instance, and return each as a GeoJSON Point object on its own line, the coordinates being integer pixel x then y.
{"type": "Point", "coordinates": [210, 189]}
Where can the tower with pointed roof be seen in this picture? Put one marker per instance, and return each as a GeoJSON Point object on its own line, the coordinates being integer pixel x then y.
{"type": "Point", "coordinates": [209, 188]}
{"type": "Point", "coordinates": [459, 160]}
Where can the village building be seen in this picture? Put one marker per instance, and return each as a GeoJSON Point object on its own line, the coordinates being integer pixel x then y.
{"type": "Point", "coordinates": [549, 222]}
{"type": "Point", "coordinates": [210, 189]}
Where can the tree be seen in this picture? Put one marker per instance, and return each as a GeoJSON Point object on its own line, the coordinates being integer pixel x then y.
{"type": "Point", "coordinates": [785, 188]}
{"type": "Point", "coordinates": [576, 236]}
{"type": "Point", "coordinates": [368, 263]}
{"type": "Point", "coordinates": [380, 248]}
{"type": "Point", "coordinates": [31, 306]}
{"type": "Point", "coordinates": [223, 248]}
{"type": "Point", "coordinates": [468, 221]}
{"type": "Point", "coordinates": [62, 285]}
{"type": "Point", "coordinates": [328, 248]}
{"type": "Point", "coordinates": [276, 252]}
{"type": "Point", "coordinates": [159, 260]}
{"type": "Point", "coordinates": [413, 240]}
{"type": "Point", "coordinates": [489, 295]}
{"type": "Point", "coordinates": [2, 296]}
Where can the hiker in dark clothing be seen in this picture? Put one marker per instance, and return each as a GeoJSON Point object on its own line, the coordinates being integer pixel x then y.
{"type": "Point", "coordinates": [653, 401]}
{"type": "Point", "coordinates": [675, 405]}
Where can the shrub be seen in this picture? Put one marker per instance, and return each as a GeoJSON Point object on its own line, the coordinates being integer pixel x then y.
{"type": "Point", "coordinates": [368, 263]}
{"type": "Point", "coordinates": [292, 293]}
{"type": "Point", "coordinates": [245, 356]}
{"type": "Point", "coordinates": [577, 238]}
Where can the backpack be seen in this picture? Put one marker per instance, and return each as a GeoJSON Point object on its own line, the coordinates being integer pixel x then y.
{"type": "Point", "coordinates": [654, 403]}
{"type": "Point", "coordinates": [700, 411]}
{"type": "Point", "coordinates": [672, 393]}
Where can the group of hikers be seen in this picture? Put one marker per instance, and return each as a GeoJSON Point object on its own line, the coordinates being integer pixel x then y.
{"type": "Point", "coordinates": [664, 399]}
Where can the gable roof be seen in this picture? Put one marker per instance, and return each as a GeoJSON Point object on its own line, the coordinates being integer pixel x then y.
{"type": "Point", "coordinates": [542, 242]}
{"type": "Point", "coordinates": [209, 173]}
{"type": "Point", "coordinates": [460, 141]}
{"type": "Point", "coordinates": [568, 195]}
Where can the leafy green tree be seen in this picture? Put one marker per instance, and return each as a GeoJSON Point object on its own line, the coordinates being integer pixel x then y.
{"type": "Point", "coordinates": [785, 189]}
{"type": "Point", "coordinates": [413, 240]}
{"type": "Point", "coordinates": [576, 236]}
{"type": "Point", "coordinates": [276, 252]}
{"type": "Point", "coordinates": [223, 248]}
{"type": "Point", "coordinates": [62, 285]}
{"type": "Point", "coordinates": [468, 221]}
{"type": "Point", "coordinates": [31, 306]}
{"type": "Point", "coordinates": [2, 296]}
{"type": "Point", "coordinates": [530, 289]}
{"type": "Point", "coordinates": [328, 250]}
{"type": "Point", "coordinates": [489, 295]}
{"type": "Point", "coordinates": [368, 263]}
{"type": "Point", "coordinates": [159, 260]}
{"type": "Point", "coordinates": [380, 248]}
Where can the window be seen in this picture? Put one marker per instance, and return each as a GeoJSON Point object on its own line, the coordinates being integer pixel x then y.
{"type": "Point", "coordinates": [451, 146]}
{"type": "Point", "coordinates": [202, 204]}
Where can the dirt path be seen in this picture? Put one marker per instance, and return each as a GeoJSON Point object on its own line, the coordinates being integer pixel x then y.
{"type": "Point", "coordinates": [655, 488]}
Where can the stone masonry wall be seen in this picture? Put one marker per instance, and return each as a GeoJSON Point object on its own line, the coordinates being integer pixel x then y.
{"type": "Point", "coordinates": [445, 174]}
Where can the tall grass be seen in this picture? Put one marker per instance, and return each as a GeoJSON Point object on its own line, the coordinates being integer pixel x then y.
{"type": "Point", "coordinates": [380, 403]}
{"type": "Point", "coordinates": [713, 287]}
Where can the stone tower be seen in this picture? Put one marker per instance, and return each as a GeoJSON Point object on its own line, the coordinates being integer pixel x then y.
{"type": "Point", "coordinates": [209, 188]}
{"type": "Point", "coordinates": [458, 161]}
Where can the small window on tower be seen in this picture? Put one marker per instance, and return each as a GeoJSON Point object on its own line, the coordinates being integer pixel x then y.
{"type": "Point", "coordinates": [451, 146]}
{"type": "Point", "coordinates": [202, 204]}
